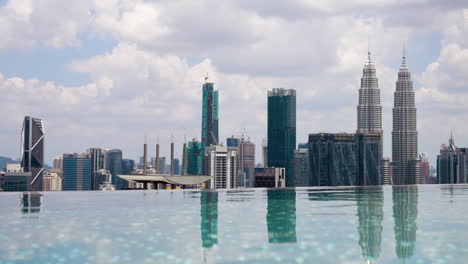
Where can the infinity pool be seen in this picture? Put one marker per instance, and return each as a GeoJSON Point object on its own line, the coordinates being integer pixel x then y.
{"type": "Point", "coordinates": [406, 224]}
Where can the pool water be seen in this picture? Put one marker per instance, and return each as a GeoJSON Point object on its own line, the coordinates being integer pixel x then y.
{"type": "Point", "coordinates": [403, 224]}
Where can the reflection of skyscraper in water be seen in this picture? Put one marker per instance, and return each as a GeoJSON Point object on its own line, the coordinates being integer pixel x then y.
{"type": "Point", "coordinates": [209, 218]}
{"type": "Point", "coordinates": [370, 213]}
{"type": "Point", "coordinates": [405, 212]}
{"type": "Point", "coordinates": [281, 216]}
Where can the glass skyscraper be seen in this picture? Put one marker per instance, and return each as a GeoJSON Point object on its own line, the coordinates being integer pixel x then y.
{"type": "Point", "coordinates": [32, 150]}
{"type": "Point", "coordinates": [194, 158]}
{"type": "Point", "coordinates": [77, 172]}
{"type": "Point", "coordinates": [210, 119]}
{"type": "Point", "coordinates": [114, 158]}
{"type": "Point", "coordinates": [282, 130]}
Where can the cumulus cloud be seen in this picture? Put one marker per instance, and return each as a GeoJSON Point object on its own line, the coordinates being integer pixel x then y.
{"type": "Point", "coordinates": [150, 82]}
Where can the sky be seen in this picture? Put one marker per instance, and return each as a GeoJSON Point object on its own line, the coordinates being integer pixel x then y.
{"type": "Point", "coordinates": [107, 73]}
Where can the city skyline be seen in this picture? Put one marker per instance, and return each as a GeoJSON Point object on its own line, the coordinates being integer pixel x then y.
{"type": "Point", "coordinates": [77, 79]}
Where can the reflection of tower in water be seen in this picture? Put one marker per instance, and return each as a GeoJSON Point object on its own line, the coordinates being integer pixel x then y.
{"type": "Point", "coordinates": [405, 212]}
{"type": "Point", "coordinates": [209, 218]}
{"type": "Point", "coordinates": [370, 214]}
{"type": "Point", "coordinates": [281, 216]}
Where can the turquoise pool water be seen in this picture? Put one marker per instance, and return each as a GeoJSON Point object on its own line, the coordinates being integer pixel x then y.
{"type": "Point", "coordinates": [407, 224]}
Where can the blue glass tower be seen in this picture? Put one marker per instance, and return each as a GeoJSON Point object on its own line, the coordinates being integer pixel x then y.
{"type": "Point", "coordinates": [77, 172]}
{"type": "Point", "coordinates": [210, 119]}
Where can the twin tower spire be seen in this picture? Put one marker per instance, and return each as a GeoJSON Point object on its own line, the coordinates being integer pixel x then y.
{"type": "Point", "coordinates": [406, 168]}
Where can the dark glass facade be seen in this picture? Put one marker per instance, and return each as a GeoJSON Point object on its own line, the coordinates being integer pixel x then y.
{"type": "Point", "coordinates": [344, 159]}
{"type": "Point", "coordinates": [210, 121]}
{"type": "Point", "coordinates": [15, 181]}
{"type": "Point", "coordinates": [194, 158]}
{"type": "Point", "coordinates": [77, 172]}
{"type": "Point", "coordinates": [127, 166]}
{"type": "Point", "coordinates": [282, 130]}
{"type": "Point", "coordinates": [114, 159]}
{"type": "Point", "coordinates": [32, 150]}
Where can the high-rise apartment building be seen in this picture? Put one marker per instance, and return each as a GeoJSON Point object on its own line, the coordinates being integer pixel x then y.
{"type": "Point", "coordinates": [52, 181]}
{"type": "Point", "coordinates": [406, 165]}
{"type": "Point", "coordinates": [114, 161]}
{"type": "Point", "coordinates": [220, 163]}
{"type": "Point", "coordinates": [176, 167]}
{"type": "Point", "coordinates": [246, 159]}
{"type": "Point", "coordinates": [282, 130]}
{"type": "Point", "coordinates": [210, 121]}
{"type": "Point", "coordinates": [32, 150]}
{"type": "Point", "coordinates": [77, 172]}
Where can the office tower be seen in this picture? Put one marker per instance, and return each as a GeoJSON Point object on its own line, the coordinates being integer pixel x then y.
{"type": "Point", "coordinates": [264, 153]}
{"type": "Point", "coordinates": [210, 119]}
{"type": "Point", "coordinates": [58, 163]}
{"type": "Point", "coordinates": [405, 213]}
{"type": "Point", "coordinates": [369, 110]}
{"type": "Point", "coordinates": [98, 162]}
{"type": "Point", "coordinates": [52, 182]}
{"type": "Point", "coordinates": [463, 165]}
{"type": "Point", "coordinates": [386, 171]}
{"type": "Point", "coordinates": [333, 159]}
{"type": "Point", "coordinates": [269, 178]}
{"type": "Point", "coordinates": [172, 159]}
{"type": "Point", "coordinates": [302, 168]}
{"type": "Point", "coordinates": [77, 172]}
{"type": "Point", "coordinates": [281, 216]}
{"type": "Point", "coordinates": [145, 157]}
{"type": "Point", "coordinates": [370, 216]}
{"type": "Point", "coordinates": [282, 130]}
{"type": "Point", "coordinates": [15, 181]}
{"type": "Point", "coordinates": [194, 158]}
{"type": "Point", "coordinates": [344, 159]}
{"type": "Point", "coordinates": [184, 159]}
{"type": "Point", "coordinates": [425, 168]}
{"type": "Point", "coordinates": [162, 165]}
{"type": "Point", "coordinates": [209, 218]}
{"type": "Point", "coordinates": [156, 161]}
{"type": "Point", "coordinates": [245, 159]}
{"type": "Point", "coordinates": [127, 166]}
{"type": "Point", "coordinates": [114, 158]}
{"type": "Point", "coordinates": [369, 158]}
{"type": "Point", "coordinates": [176, 167]}
{"type": "Point", "coordinates": [406, 166]}
{"type": "Point", "coordinates": [447, 164]}
{"type": "Point", "coordinates": [220, 163]}
{"type": "Point", "coordinates": [233, 141]}
{"type": "Point", "coordinates": [32, 150]}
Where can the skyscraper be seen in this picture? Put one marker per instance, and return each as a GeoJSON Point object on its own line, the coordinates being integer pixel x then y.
{"type": "Point", "coordinates": [302, 168]}
{"type": "Point", "coordinates": [209, 115]}
{"type": "Point", "coordinates": [245, 158]}
{"type": "Point", "coordinates": [98, 162]}
{"type": "Point", "coordinates": [194, 158]}
{"type": "Point", "coordinates": [369, 110]}
{"type": "Point", "coordinates": [32, 150]}
{"type": "Point", "coordinates": [114, 157]}
{"type": "Point", "coordinates": [77, 172]}
{"type": "Point", "coordinates": [282, 130]}
{"type": "Point", "coordinates": [406, 168]}
{"type": "Point", "coordinates": [127, 166]}
{"type": "Point", "coordinates": [447, 164]}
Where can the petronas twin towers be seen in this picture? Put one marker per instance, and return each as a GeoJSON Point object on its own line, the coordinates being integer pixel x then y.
{"type": "Point", "coordinates": [406, 168]}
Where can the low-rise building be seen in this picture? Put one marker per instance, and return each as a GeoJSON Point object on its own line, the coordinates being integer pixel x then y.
{"type": "Point", "coordinates": [270, 178]}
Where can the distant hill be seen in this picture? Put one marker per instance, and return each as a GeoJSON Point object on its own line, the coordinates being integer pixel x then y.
{"type": "Point", "coordinates": [4, 160]}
